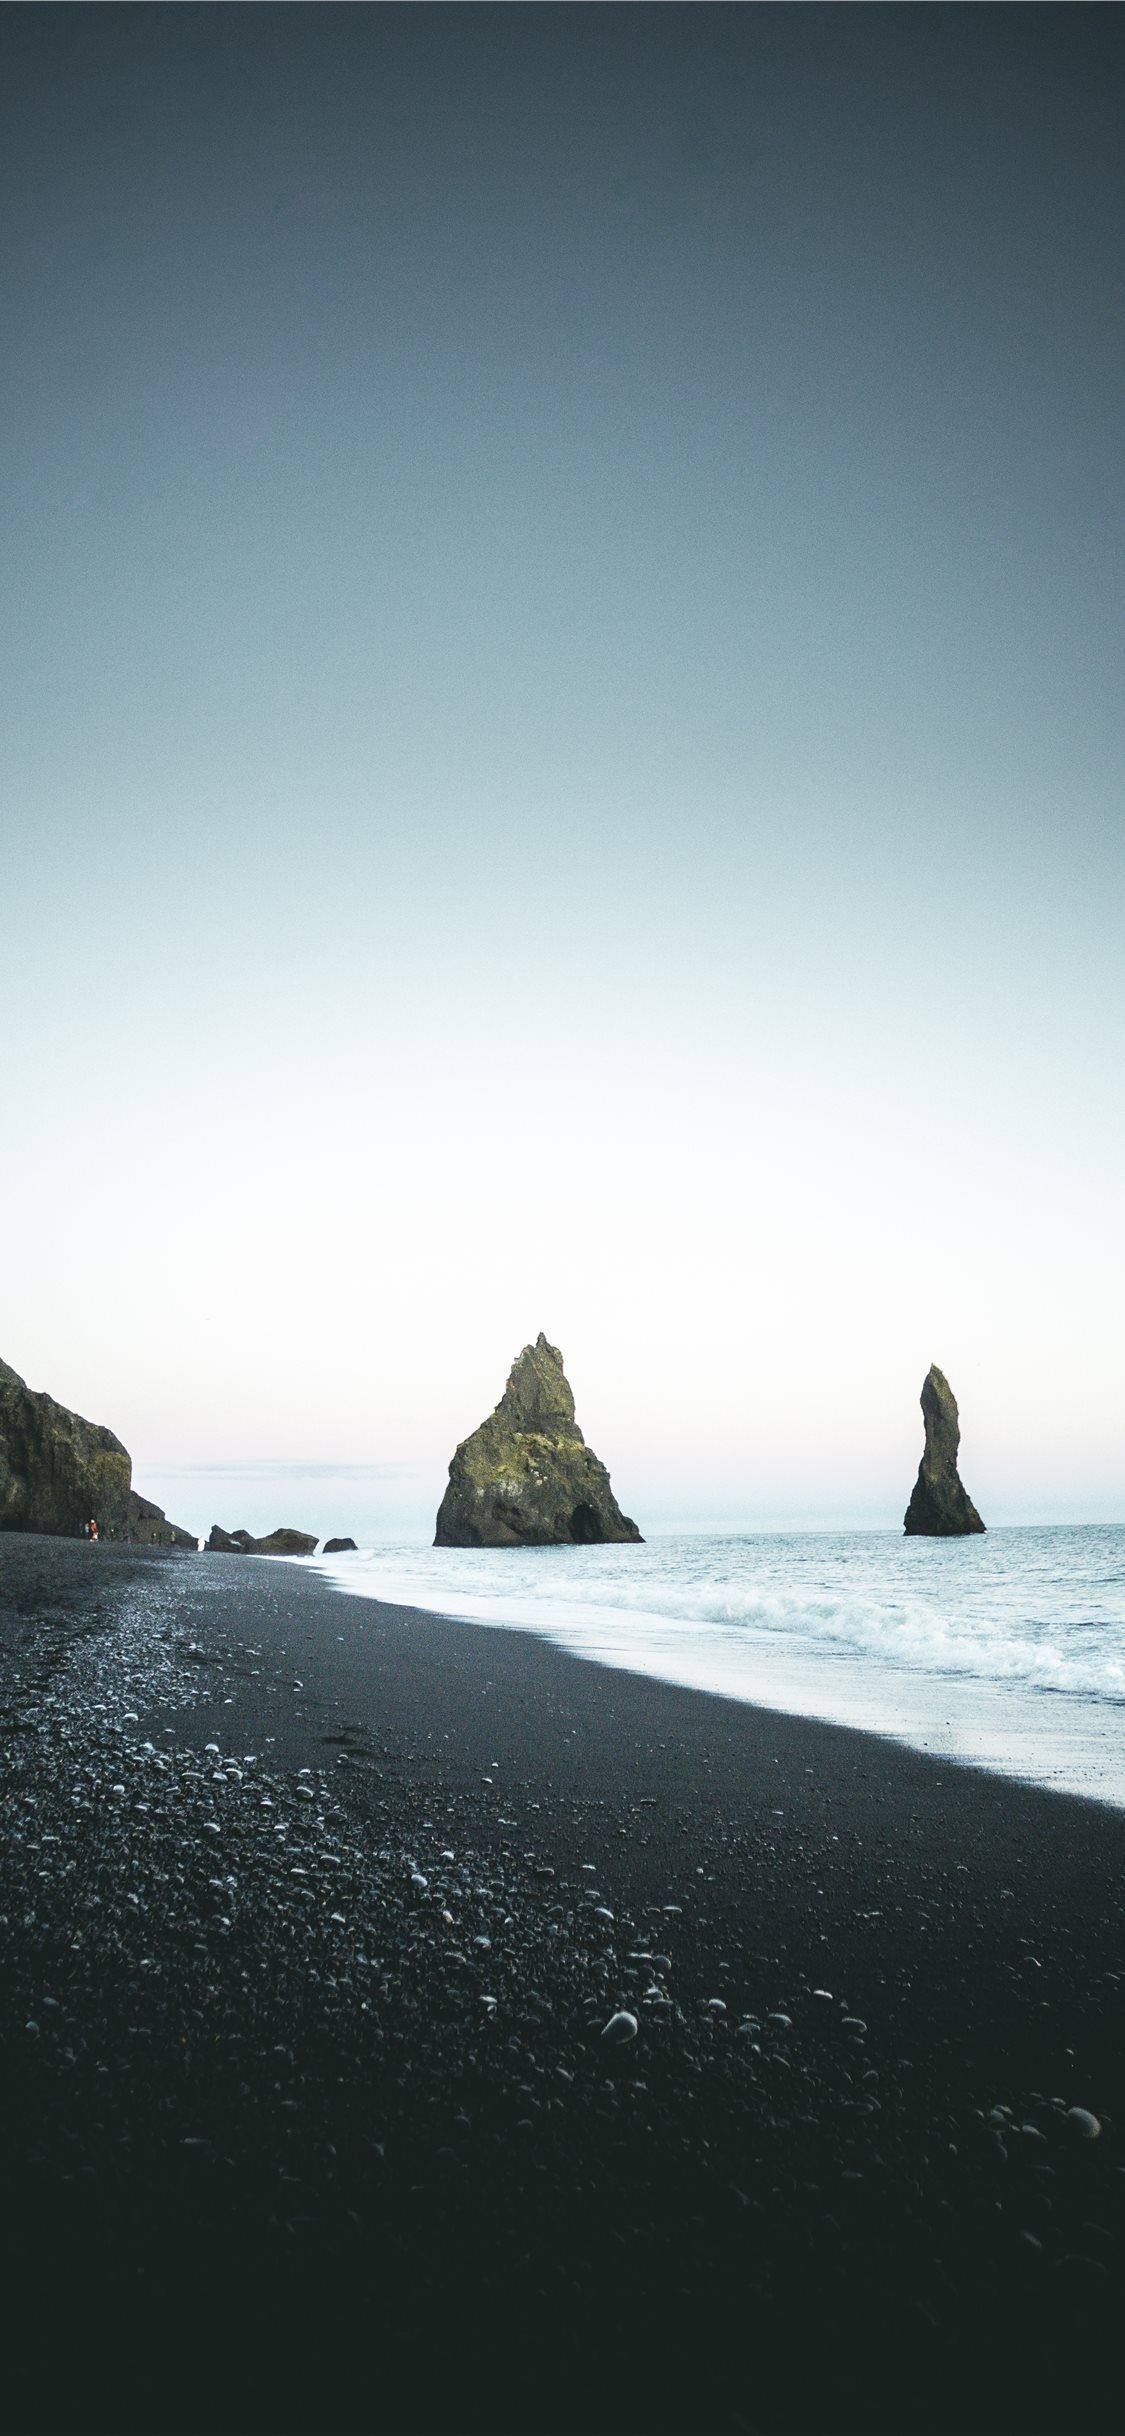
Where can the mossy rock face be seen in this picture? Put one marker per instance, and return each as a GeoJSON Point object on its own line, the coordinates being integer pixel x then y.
{"type": "Point", "coordinates": [59, 1472]}
{"type": "Point", "coordinates": [940, 1507]}
{"type": "Point", "coordinates": [526, 1478]}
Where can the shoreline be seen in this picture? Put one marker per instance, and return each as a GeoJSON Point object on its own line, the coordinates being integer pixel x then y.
{"type": "Point", "coordinates": [622, 2238]}
{"type": "Point", "coordinates": [983, 1690]}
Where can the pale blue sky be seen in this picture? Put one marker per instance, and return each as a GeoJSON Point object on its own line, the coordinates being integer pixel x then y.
{"type": "Point", "coordinates": [562, 740]}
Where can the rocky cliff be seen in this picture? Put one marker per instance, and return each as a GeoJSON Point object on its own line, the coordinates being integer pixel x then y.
{"type": "Point", "coordinates": [940, 1508]}
{"type": "Point", "coordinates": [149, 1524]}
{"type": "Point", "coordinates": [526, 1478]}
{"type": "Point", "coordinates": [57, 1472]}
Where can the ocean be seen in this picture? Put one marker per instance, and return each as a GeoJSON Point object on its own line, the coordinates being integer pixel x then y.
{"type": "Point", "coordinates": [1004, 1652]}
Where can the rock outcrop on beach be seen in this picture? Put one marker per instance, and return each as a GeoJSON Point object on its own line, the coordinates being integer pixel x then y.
{"type": "Point", "coordinates": [940, 1507]}
{"type": "Point", "coordinates": [526, 1478]}
{"type": "Point", "coordinates": [282, 1542]}
{"type": "Point", "coordinates": [337, 1547]}
{"type": "Point", "coordinates": [58, 1472]}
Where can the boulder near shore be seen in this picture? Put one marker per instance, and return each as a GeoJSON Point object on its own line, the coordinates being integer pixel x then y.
{"type": "Point", "coordinates": [940, 1507]}
{"type": "Point", "coordinates": [526, 1478]}
{"type": "Point", "coordinates": [58, 1472]}
{"type": "Point", "coordinates": [282, 1542]}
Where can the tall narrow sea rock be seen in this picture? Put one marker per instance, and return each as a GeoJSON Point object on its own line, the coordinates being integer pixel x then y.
{"type": "Point", "coordinates": [526, 1478]}
{"type": "Point", "coordinates": [940, 1508]}
{"type": "Point", "coordinates": [59, 1472]}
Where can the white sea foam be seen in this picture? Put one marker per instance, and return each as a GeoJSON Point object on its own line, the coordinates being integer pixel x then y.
{"type": "Point", "coordinates": [1006, 1650]}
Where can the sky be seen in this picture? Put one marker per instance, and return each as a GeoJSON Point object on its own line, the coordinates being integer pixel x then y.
{"type": "Point", "coordinates": [561, 746]}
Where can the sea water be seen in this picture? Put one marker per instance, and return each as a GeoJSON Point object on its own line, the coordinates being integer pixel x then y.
{"type": "Point", "coordinates": [1004, 1651]}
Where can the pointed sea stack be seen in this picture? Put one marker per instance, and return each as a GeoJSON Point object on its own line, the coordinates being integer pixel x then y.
{"type": "Point", "coordinates": [939, 1507]}
{"type": "Point", "coordinates": [526, 1478]}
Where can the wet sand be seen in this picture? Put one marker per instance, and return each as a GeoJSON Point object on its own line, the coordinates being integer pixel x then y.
{"type": "Point", "coordinates": [307, 2113]}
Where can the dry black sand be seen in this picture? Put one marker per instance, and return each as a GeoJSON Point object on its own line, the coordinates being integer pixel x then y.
{"type": "Point", "coordinates": [307, 2120]}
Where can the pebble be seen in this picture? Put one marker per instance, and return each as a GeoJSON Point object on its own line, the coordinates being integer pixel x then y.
{"type": "Point", "coordinates": [619, 2028]}
{"type": "Point", "coordinates": [391, 2001]}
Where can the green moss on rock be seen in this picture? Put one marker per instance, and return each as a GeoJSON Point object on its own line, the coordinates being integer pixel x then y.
{"type": "Point", "coordinates": [58, 1472]}
{"type": "Point", "coordinates": [526, 1478]}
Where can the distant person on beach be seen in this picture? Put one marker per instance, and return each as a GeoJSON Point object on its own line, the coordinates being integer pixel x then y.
{"type": "Point", "coordinates": [91, 1530]}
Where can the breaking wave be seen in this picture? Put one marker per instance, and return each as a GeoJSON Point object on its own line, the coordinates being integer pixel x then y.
{"type": "Point", "coordinates": [1007, 1650]}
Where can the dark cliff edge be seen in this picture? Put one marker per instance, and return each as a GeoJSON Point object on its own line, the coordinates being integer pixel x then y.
{"type": "Point", "coordinates": [940, 1507]}
{"type": "Point", "coordinates": [526, 1478]}
{"type": "Point", "coordinates": [58, 1472]}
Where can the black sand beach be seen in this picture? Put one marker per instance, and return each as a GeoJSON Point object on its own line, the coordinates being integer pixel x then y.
{"type": "Point", "coordinates": [314, 1914]}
